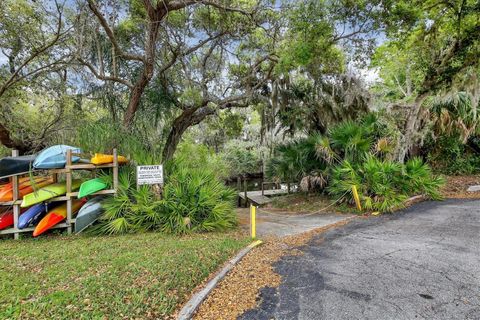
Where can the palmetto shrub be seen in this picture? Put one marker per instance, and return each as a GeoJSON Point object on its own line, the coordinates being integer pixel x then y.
{"type": "Point", "coordinates": [295, 160]}
{"type": "Point", "coordinates": [194, 199]}
{"type": "Point", "coordinates": [384, 185]}
{"type": "Point", "coordinates": [131, 209]}
{"type": "Point", "coordinates": [355, 154]}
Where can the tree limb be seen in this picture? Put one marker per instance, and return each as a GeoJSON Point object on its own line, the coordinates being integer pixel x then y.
{"type": "Point", "coordinates": [102, 76]}
{"type": "Point", "coordinates": [103, 22]}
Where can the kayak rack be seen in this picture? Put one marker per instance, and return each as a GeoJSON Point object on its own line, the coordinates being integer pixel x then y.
{"type": "Point", "coordinates": [69, 196]}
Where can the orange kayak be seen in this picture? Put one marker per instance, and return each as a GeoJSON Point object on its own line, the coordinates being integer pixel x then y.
{"type": "Point", "coordinates": [101, 158]}
{"type": "Point", "coordinates": [25, 187]}
{"type": "Point", "coordinates": [55, 216]}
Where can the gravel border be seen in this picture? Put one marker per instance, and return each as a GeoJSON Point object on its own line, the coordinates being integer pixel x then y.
{"type": "Point", "coordinates": [192, 305]}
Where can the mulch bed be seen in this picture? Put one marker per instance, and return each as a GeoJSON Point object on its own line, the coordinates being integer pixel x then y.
{"type": "Point", "coordinates": [456, 187]}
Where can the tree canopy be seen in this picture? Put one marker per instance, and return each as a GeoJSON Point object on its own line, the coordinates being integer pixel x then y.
{"type": "Point", "coordinates": [159, 68]}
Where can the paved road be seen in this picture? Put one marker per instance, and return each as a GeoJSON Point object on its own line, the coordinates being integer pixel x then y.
{"type": "Point", "coordinates": [422, 263]}
{"type": "Point", "coordinates": [282, 225]}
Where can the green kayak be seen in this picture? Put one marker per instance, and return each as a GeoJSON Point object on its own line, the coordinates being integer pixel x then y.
{"type": "Point", "coordinates": [48, 192]}
{"type": "Point", "coordinates": [91, 186]}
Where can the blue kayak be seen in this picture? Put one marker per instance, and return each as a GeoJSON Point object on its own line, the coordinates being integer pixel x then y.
{"type": "Point", "coordinates": [55, 157]}
{"type": "Point", "coordinates": [33, 215]}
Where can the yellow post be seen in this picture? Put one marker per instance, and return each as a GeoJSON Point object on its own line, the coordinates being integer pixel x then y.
{"type": "Point", "coordinates": [253, 227]}
{"type": "Point", "coordinates": [356, 197]}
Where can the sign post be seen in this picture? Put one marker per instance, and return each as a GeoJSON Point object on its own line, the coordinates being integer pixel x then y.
{"type": "Point", "coordinates": [151, 175]}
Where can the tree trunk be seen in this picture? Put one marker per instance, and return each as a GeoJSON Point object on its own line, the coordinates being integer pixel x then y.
{"type": "Point", "coordinates": [8, 142]}
{"type": "Point", "coordinates": [135, 99]}
{"type": "Point", "coordinates": [188, 118]}
{"type": "Point", "coordinates": [155, 16]}
{"type": "Point", "coordinates": [408, 139]}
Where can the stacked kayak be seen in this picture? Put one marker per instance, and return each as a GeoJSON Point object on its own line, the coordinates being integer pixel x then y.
{"type": "Point", "coordinates": [55, 216]}
{"type": "Point", "coordinates": [33, 215]}
{"type": "Point", "coordinates": [88, 214]}
{"type": "Point", "coordinates": [42, 206]}
{"type": "Point", "coordinates": [55, 157]}
{"type": "Point", "coordinates": [6, 219]}
{"type": "Point", "coordinates": [100, 158]}
{"type": "Point", "coordinates": [10, 166]}
{"type": "Point", "coordinates": [48, 192]}
{"type": "Point", "coordinates": [26, 186]}
{"type": "Point", "coordinates": [91, 186]}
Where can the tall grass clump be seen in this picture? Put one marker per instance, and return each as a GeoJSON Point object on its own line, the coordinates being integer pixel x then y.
{"type": "Point", "coordinates": [104, 135]}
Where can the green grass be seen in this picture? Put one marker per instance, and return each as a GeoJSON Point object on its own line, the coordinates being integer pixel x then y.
{"type": "Point", "coordinates": [306, 203]}
{"type": "Point", "coordinates": [132, 276]}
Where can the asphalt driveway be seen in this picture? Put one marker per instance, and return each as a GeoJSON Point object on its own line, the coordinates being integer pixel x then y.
{"type": "Point", "coordinates": [422, 263]}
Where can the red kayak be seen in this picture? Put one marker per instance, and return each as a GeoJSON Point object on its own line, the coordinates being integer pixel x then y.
{"type": "Point", "coordinates": [55, 216]}
{"type": "Point", "coordinates": [6, 219]}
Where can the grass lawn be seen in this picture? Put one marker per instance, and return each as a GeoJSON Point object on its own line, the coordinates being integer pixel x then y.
{"type": "Point", "coordinates": [133, 276]}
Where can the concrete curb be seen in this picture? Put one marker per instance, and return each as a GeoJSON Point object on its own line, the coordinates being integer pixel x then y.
{"type": "Point", "coordinates": [192, 305]}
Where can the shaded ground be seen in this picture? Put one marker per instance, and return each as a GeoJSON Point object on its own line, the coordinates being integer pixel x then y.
{"type": "Point", "coordinates": [456, 187]}
{"type": "Point", "coordinates": [421, 263]}
{"type": "Point", "coordinates": [301, 203]}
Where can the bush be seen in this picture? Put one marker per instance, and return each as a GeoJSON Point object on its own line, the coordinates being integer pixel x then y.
{"type": "Point", "coordinates": [448, 155]}
{"type": "Point", "coordinates": [243, 157]}
{"type": "Point", "coordinates": [384, 185]}
{"type": "Point", "coordinates": [130, 210]}
{"type": "Point", "coordinates": [293, 161]}
{"type": "Point", "coordinates": [194, 199]}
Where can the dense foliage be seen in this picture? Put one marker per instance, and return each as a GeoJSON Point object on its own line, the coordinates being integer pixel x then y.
{"type": "Point", "coordinates": [354, 154]}
{"type": "Point", "coordinates": [194, 198]}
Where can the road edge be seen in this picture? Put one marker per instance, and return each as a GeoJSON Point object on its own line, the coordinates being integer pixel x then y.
{"type": "Point", "coordinates": [189, 309]}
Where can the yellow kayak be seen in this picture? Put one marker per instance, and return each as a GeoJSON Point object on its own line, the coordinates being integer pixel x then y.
{"type": "Point", "coordinates": [101, 158]}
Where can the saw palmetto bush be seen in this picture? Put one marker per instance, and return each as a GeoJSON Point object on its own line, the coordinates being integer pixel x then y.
{"type": "Point", "coordinates": [354, 153]}
{"type": "Point", "coordinates": [384, 185]}
{"type": "Point", "coordinates": [453, 147]}
{"type": "Point", "coordinates": [295, 160]}
{"type": "Point", "coordinates": [131, 209]}
{"type": "Point", "coordinates": [194, 199]}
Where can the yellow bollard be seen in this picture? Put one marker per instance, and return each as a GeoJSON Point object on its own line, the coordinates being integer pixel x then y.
{"type": "Point", "coordinates": [253, 227]}
{"type": "Point", "coordinates": [356, 197]}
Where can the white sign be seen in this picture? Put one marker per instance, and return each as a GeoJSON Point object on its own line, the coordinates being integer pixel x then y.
{"type": "Point", "coordinates": [149, 175]}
